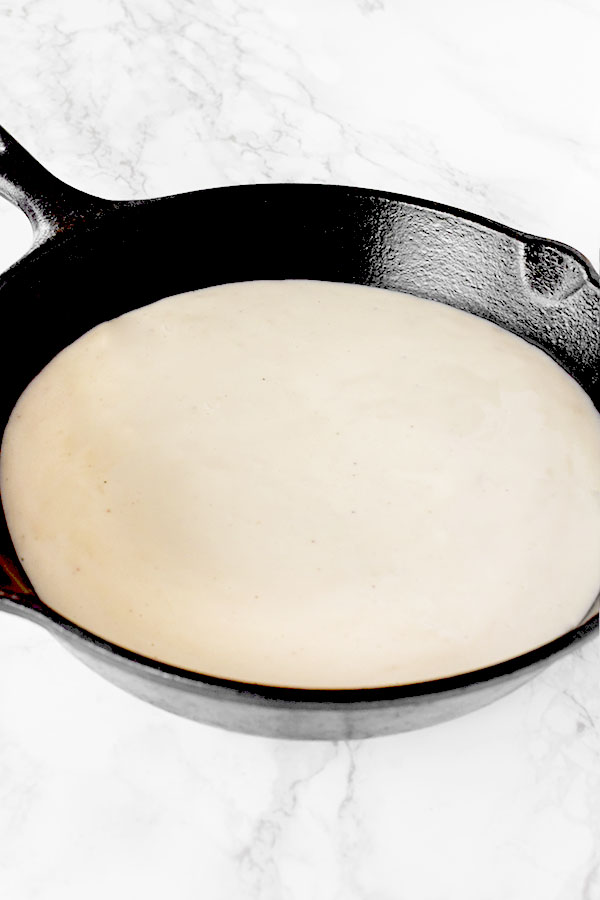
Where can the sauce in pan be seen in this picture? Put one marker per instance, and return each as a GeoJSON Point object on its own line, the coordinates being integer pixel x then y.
{"type": "Point", "coordinates": [308, 484]}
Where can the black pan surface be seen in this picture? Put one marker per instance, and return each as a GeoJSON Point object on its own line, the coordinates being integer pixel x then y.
{"type": "Point", "coordinates": [94, 259]}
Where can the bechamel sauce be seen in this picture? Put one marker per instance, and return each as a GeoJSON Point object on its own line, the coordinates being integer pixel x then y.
{"type": "Point", "coordinates": [308, 484]}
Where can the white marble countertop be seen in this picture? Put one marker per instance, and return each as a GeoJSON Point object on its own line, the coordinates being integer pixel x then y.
{"type": "Point", "coordinates": [486, 106]}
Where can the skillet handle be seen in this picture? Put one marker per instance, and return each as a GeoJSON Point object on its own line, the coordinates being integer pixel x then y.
{"type": "Point", "coordinates": [50, 205]}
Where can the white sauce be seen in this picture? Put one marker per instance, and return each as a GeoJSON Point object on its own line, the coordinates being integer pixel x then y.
{"type": "Point", "coordinates": [308, 484]}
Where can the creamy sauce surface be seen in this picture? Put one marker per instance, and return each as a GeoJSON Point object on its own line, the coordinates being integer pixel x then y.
{"type": "Point", "coordinates": [308, 484]}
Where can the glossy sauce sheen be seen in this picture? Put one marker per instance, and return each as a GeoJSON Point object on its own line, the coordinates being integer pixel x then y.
{"type": "Point", "coordinates": [308, 484]}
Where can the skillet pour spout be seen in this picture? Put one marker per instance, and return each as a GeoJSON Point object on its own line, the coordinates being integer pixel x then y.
{"type": "Point", "coordinates": [93, 259]}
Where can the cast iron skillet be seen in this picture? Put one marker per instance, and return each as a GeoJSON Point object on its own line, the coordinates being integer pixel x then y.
{"type": "Point", "coordinates": [92, 259]}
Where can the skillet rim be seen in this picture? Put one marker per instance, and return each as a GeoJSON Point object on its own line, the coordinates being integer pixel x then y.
{"type": "Point", "coordinates": [99, 207]}
{"type": "Point", "coordinates": [31, 607]}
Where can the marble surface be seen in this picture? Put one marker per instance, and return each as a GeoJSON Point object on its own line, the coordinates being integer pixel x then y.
{"type": "Point", "coordinates": [486, 106]}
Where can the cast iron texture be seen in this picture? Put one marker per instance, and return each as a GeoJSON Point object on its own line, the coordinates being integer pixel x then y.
{"type": "Point", "coordinates": [95, 259]}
